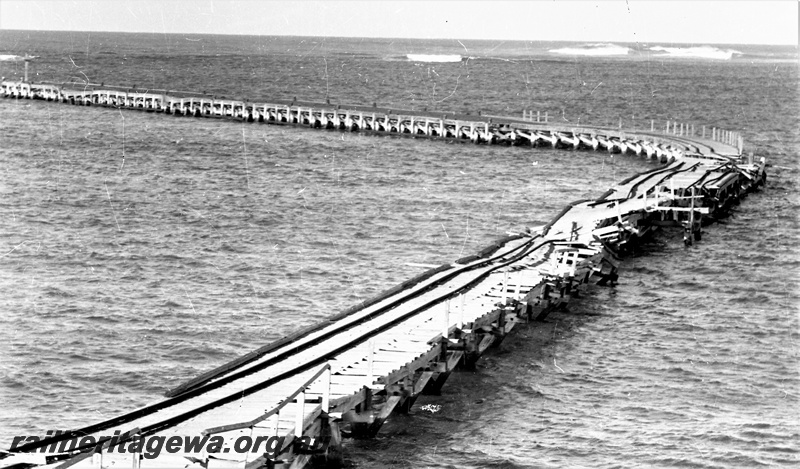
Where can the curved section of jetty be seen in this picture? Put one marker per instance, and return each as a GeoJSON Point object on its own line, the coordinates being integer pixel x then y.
{"type": "Point", "coordinates": [344, 377]}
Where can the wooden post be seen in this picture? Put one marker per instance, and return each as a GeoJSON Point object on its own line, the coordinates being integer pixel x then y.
{"type": "Point", "coordinates": [300, 418]}
{"type": "Point", "coordinates": [370, 351]}
{"type": "Point", "coordinates": [573, 256]}
{"type": "Point", "coordinates": [136, 456]}
{"type": "Point", "coordinates": [691, 215]}
{"type": "Point", "coordinates": [326, 389]}
{"type": "Point", "coordinates": [652, 125]}
{"type": "Point", "coordinates": [537, 116]}
{"type": "Point", "coordinates": [667, 131]}
{"type": "Point", "coordinates": [704, 131]}
{"type": "Point", "coordinates": [446, 324]}
{"type": "Point", "coordinates": [461, 311]}
{"type": "Point", "coordinates": [505, 286]}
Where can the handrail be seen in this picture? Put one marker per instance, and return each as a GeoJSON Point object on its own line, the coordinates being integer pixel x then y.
{"type": "Point", "coordinates": [275, 410]}
{"type": "Point", "coordinates": [88, 451]}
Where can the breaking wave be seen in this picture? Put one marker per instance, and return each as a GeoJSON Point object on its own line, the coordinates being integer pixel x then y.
{"type": "Point", "coordinates": [702, 52]}
{"type": "Point", "coordinates": [11, 58]}
{"type": "Point", "coordinates": [434, 58]}
{"type": "Point", "coordinates": [593, 50]}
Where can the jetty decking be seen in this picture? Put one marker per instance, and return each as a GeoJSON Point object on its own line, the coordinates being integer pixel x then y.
{"type": "Point", "coordinates": [346, 375]}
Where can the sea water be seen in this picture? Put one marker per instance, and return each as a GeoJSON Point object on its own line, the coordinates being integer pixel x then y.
{"type": "Point", "coordinates": [139, 250]}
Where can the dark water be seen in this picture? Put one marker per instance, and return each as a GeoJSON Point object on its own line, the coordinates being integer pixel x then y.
{"type": "Point", "coordinates": [139, 250]}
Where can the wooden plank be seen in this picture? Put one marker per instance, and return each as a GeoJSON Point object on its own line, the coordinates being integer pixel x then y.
{"type": "Point", "coordinates": [409, 369]}
{"type": "Point", "coordinates": [486, 320]}
{"type": "Point", "coordinates": [485, 343]}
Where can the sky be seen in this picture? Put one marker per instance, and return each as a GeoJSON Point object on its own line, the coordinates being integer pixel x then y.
{"type": "Point", "coordinates": [648, 21]}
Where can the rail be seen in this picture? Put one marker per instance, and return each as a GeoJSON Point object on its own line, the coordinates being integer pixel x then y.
{"type": "Point", "coordinates": [413, 326]}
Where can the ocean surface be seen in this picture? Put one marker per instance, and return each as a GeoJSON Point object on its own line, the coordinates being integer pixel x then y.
{"type": "Point", "coordinates": [138, 250]}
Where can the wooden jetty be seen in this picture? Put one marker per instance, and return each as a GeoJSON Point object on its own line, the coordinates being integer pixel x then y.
{"type": "Point", "coordinates": [344, 376]}
{"type": "Point", "coordinates": [675, 140]}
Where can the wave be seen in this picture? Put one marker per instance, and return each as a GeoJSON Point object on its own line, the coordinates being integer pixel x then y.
{"type": "Point", "coordinates": [16, 58]}
{"type": "Point", "coordinates": [702, 52]}
{"type": "Point", "coordinates": [601, 49]}
{"type": "Point", "coordinates": [434, 57]}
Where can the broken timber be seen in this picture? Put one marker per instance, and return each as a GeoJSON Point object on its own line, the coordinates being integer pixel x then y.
{"type": "Point", "coordinates": [345, 376]}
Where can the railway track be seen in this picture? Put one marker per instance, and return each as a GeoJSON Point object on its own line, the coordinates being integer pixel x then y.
{"type": "Point", "coordinates": [357, 367]}
{"type": "Point", "coordinates": [315, 345]}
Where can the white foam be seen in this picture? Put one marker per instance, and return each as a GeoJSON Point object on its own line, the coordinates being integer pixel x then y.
{"type": "Point", "coordinates": [598, 50]}
{"type": "Point", "coordinates": [701, 52]}
{"type": "Point", "coordinates": [11, 58]}
{"type": "Point", "coordinates": [433, 58]}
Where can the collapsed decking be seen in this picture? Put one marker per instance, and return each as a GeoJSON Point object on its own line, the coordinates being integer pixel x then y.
{"type": "Point", "coordinates": [346, 375]}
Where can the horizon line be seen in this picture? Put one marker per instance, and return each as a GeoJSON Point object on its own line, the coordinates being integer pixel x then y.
{"type": "Point", "coordinates": [173, 33]}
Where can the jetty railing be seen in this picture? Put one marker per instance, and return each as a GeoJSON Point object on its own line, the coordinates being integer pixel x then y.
{"type": "Point", "coordinates": [671, 127]}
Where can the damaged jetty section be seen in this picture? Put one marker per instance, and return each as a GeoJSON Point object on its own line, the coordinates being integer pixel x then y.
{"type": "Point", "coordinates": [344, 376]}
